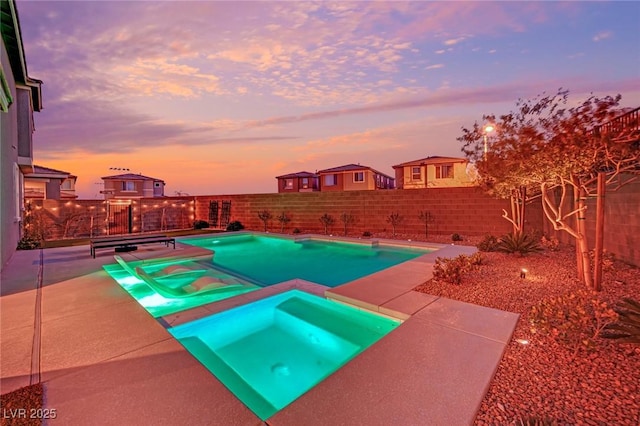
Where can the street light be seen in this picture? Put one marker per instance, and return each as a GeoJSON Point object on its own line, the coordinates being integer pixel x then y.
{"type": "Point", "coordinates": [487, 129]}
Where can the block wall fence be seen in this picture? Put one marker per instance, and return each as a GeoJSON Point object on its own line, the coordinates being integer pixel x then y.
{"type": "Point", "coordinates": [466, 211]}
{"type": "Point", "coordinates": [622, 222]}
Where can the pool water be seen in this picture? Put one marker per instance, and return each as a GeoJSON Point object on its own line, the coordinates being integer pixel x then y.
{"type": "Point", "coordinates": [158, 305]}
{"type": "Point", "coordinates": [270, 352]}
{"type": "Point", "coordinates": [271, 260]}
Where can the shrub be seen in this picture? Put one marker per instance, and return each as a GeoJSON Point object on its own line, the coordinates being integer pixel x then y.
{"type": "Point", "coordinates": [366, 234]}
{"type": "Point", "coordinates": [426, 217]}
{"type": "Point", "coordinates": [549, 243]}
{"type": "Point", "coordinates": [627, 328]}
{"type": "Point", "coordinates": [327, 220]}
{"type": "Point", "coordinates": [394, 219]}
{"type": "Point", "coordinates": [451, 270]}
{"type": "Point", "coordinates": [200, 224]}
{"type": "Point", "coordinates": [347, 219]}
{"type": "Point", "coordinates": [296, 230]}
{"type": "Point", "coordinates": [235, 226]}
{"type": "Point", "coordinates": [608, 259]}
{"type": "Point", "coordinates": [488, 243]}
{"type": "Point", "coordinates": [28, 243]}
{"type": "Point", "coordinates": [574, 319]}
{"type": "Point", "coordinates": [265, 216]}
{"type": "Point", "coordinates": [456, 237]}
{"type": "Point", "coordinates": [283, 218]}
{"type": "Point", "coordinates": [518, 243]}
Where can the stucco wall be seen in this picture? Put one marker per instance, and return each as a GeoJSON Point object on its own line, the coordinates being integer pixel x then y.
{"type": "Point", "coordinates": [9, 227]}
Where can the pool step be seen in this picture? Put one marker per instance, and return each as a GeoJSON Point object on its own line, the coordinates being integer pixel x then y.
{"type": "Point", "coordinates": [228, 376]}
{"type": "Point", "coordinates": [349, 327]}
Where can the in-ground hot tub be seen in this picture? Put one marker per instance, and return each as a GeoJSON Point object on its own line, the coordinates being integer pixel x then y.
{"type": "Point", "coordinates": [270, 352]}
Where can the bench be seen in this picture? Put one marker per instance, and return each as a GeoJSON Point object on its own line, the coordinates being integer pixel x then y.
{"type": "Point", "coordinates": [129, 241]}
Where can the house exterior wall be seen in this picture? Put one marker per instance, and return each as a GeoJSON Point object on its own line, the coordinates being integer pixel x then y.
{"type": "Point", "coordinates": [405, 180]}
{"type": "Point", "coordinates": [346, 181]}
{"type": "Point", "coordinates": [460, 178]}
{"type": "Point", "coordinates": [298, 185]}
{"type": "Point", "coordinates": [53, 189]}
{"type": "Point", "coordinates": [407, 177]}
{"type": "Point", "coordinates": [350, 183]}
{"type": "Point", "coordinates": [11, 178]}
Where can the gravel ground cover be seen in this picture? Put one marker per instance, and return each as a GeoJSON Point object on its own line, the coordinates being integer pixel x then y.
{"type": "Point", "coordinates": [562, 374]}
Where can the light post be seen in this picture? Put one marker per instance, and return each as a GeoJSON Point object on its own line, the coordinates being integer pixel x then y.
{"type": "Point", "coordinates": [487, 129]}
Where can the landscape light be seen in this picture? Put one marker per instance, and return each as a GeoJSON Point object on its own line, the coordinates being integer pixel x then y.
{"type": "Point", "coordinates": [523, 273]}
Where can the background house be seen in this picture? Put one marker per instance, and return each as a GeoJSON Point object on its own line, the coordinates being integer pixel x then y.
{"type": "Point", "coordinates": [20, 96]}
{"type": "Point", "coordinates": [298, 182]}
{"type": "Point", "coordinates": [433, 172]}
{"type": "Point", "coordinates": [49, 184]}
{"type": "Point", "coordinates": [353, 177]}
{"type": "Point", "coordinates": [131, 185]}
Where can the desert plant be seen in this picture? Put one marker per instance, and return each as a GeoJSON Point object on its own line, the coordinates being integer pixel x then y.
{"type": "Point", "coordinates": [366, 234]}
{"type": "Point", "coordinates": [536, 421]}
{"type": "Point", "coordinates": [451, 270]}
{"type": "Point", "coordinates": [283, 218]}
{"type": "Point", "coordinates": [488, 243]}
{"type": "Point", "coordinates": [327, 220]}
{"type": "Point", "coordinates": [627, 328]}
{"type": "Point", "coordinates": [28, 243]}
{"type": "Point", "coordinates": [296, 230]}
{"type": "Point", "coordinates": [426, 218]}
{"type": "Point", "coordinates": [394, 219]}
{"type": "Point", "coordinates": [347, 219]}
{"type": "Point", "coordinates": [518, 243]}
{"type": "Point", "coordinates": [549, 243]}
{"type": "Point", "coordinates": [456, 237]}
{"type": "Point", "coordinates": [265, 216]}
{"type": "Point", "coordinates": [574, 319]}
{"type": "Point", "coordinates": [235, 226]}
{"type": "Point", "coordinates": [200, 224]}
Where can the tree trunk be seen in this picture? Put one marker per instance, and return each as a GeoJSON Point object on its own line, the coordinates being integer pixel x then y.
{"type": "Point", "coordinates": [582, 246]}
{"type": "Point", "coordinates": [597, 280]}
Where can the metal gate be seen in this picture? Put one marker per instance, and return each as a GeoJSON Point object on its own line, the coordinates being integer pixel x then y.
{"type": "Point", "coordinates": [226, 214]}
{"type": "Point", "coordinates": [120, 217]}
{"type": "Point", "coordinates": [213, 213]}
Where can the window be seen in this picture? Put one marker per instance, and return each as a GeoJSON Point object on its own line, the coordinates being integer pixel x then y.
{"type": "Point", "coordinates": [305, 183]}
{"type": "Point", "coordinates": [128, 186]}
{"type": "Point", "coordinates": [67, 184]}
{"type": "Point", "coordinates": [157, 184]}
{"type": "Point", "coordinates": [416, 173]}
{"type": "Point", "coordinates": [288, 184]}
{"type": "Point", "coordinates": [444, 171]}
{"type": "Point", "coordinates": [330, 180]}
{"type": "Point", "coordinates": [358, 176]}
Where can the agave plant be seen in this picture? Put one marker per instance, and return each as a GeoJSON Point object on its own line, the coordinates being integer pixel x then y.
{"type": "Point", "coordinates": [536, 421]}
{"type": "Point", "coordinates": [627, 328]}
{"type": "Point", "coordinates": [518, 242]}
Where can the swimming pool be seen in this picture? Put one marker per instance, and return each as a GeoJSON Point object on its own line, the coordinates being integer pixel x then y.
{"type": "Point", "coordinates": [270, 260]}
{"type": "Point", "coordinates": [158, 305]}
{"type": "Point", "coordinates": [270, 352]}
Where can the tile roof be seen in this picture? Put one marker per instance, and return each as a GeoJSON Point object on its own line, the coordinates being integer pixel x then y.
{"type": "Point", "coordinates": [435, 159]}
{"type": "Point", "coordinates": [46, 170]}
{"type": "Point", "coordinates": [350, 168]}
{"type": "Point", "coordinates": [131, 176]}
{"type": "Point", "coordinates": [298, 174]}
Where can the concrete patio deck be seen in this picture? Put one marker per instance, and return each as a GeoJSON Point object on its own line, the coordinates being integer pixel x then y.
{"type": "Point", "coordinates": [104, 360]}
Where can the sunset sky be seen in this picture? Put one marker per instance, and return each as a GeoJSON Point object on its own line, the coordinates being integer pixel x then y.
{"type": "Point", "coordinates": [220, 97]}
